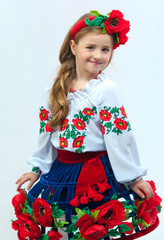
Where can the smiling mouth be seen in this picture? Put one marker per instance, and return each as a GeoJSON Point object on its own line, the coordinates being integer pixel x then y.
{"type": "Point", "coordinates": [95, 63]}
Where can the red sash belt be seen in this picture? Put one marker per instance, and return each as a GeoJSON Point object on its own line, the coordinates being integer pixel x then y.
{"type": "Point", "coordinates": [92, 179]}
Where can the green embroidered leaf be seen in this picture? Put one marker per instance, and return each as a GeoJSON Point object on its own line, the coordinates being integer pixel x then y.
{"type": "Point", "coordinates": [84, 135]}
{"type": "Point", "coordinates": [124, 228]}
{"type": "Point", "coordinates": [94, 109]}
{"type": "Point", "coordinates": [56, 212]}
{"type": "Point", "coordinates": [95, 22]}
{"type": "Point", "coordinates": [87, 211]}
{"type": "Point", "coordinates": [74, 218]}
{"type": "Point", "coordinates": [95, 13]}
{"type": "Point", "coordinates": [61, 223]}
{"type": "Point", "coordinates": [108, 125]}
{"type": "Point", "coordinates": [126, 214]}
{"type": "Point", "coordinates": [71, 228]}
{"type": "Point", "coordinates": [76, 116]}
{"type": "Point", "coordinates": [125, 203]}
{"type": "Point", "coordinates": [132, 207]}
{"type": "Point", "coordinates": [144, 224]}
{"type": "Point", "coordinates": [114, 196]}
{"type": "Point", "coordinates": [158, 208]}
{"type": "Point", "coordinates": [81, 115]}
{"type": "Point", "coordinates": [135, 221]}
{"type": "Point", "coordinates": [104, 30]}
{"type": "Point", "coordinates": [44, 237]}
{"type": "Point", "coordinates": [118, 131]}
{"type": "Point", "coordinates": [68, 134]}
{"type": "Point", "coordinates": [95, 214]}
{"type": "Point", "coordinates": [28, 209]}
{"type": "Point", "coordinates": [114, 233]}
{"type": "Point", "coordinates": [79, 212]}
{"type": "Point", "coordinates": [114, 110]}
{"type": "Point", "coordinates": [73, 135]}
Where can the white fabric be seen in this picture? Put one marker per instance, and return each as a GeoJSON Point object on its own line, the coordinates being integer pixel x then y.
{"type": "Point", "coordinates": [121, 148]}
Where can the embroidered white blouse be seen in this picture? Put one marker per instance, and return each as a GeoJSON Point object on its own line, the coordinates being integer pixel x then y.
{"type": "Point", "coordinates": [96, 121]}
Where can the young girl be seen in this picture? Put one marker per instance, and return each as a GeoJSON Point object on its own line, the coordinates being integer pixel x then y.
{"type": "Point", "coordinates": [87, 159]}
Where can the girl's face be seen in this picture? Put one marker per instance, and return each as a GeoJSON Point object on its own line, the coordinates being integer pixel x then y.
{"type": "Point", "coordinates": [92, 53]}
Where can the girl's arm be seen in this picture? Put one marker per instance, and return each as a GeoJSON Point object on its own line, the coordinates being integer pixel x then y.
{"type": "Point", "coordinates": [119, 140]}
{"type": "Point", "coordinates": [46, 153]}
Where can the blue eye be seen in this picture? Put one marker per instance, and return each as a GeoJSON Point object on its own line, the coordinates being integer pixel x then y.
{"type": "Point", "coordinates": [90, 48]}
{"type": "Point", "coordinates": [105, 50]}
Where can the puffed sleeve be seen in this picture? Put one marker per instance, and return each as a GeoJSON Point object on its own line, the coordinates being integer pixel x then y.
{"type": "Point", "coordinates": [118, 136]}
{"type": "Point", "coordinates": [46, 153]}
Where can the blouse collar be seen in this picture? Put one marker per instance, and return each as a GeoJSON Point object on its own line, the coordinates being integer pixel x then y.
{"type": "Point", "coordinates": [78, 95]}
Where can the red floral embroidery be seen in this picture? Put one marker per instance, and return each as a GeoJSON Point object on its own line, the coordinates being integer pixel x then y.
{"type": "Point", "coordinates": [64, 124]}
{"type": "Point", "coordinates": [105, 115]}
{"type": "Point", "coordinates": [123, 111]}
{"type": "Point", "coordinates": [42, 212]}
{"type": "Point", "coordinates": [78, 142]}
{"type": "Point", "coordinates": [48, 129]}
{"type": "Point", "coordinates": [120, 124]}
{"type": "Point", "coordinates": [88, 111]}
{"type": "Point", "coordinates": [52, 235]}
{"type": "Point", "coordinates": [43, 115]}
{"type": "Point", "coordinates": [103, 129]}
{"type": "Point", "coordinates": [111, 214]}
{"type": "Point", "coordinates": [63, 142]}
{"type": "Point", "coordinates": [79, 124]}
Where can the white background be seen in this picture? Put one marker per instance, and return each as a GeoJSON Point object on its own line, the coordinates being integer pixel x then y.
{"type": "Point", "coordinates": [31, 33]}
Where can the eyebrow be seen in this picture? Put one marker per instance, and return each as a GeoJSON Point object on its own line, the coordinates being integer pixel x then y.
{"type": "Point", "coordinates": [105, 46]}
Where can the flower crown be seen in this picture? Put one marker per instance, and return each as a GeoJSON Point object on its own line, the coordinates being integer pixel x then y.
{"type": "Point", "coordinates": [113, 23]}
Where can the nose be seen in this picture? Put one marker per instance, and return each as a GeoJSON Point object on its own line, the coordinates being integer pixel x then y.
{"type": "Point", "coordinates": [97, 55]}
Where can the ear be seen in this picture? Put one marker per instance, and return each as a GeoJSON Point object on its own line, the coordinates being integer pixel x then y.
{"type": "Point", "coordinates": [73, 47]}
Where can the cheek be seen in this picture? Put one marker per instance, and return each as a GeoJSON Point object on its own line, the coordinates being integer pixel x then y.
{"type": "Point", "coordinates": [107, 58]}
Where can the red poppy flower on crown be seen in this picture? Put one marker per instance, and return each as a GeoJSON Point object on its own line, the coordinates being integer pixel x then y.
{"type": "Point", "coordinates": [113, 23]}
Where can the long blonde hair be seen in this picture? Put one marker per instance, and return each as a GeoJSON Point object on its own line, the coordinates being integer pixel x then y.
{"type": "Point", "coordinates": [58, 101]}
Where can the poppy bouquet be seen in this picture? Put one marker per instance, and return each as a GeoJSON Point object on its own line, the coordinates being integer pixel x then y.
{"type": "Point", "coordinates": [114, 218]}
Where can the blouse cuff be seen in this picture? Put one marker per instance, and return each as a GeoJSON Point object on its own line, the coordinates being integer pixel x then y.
{"type": "Point", "coordinates": [36, 170]}
{"type": "Point", "coordinates": [134, 180]}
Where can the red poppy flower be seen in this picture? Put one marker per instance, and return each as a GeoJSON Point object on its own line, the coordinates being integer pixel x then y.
{"type": "Point", "coordinates": [120, 124]}
{"type": "Point", "coordinates": [146, 210]}
{"type": "Point", "coordinates": [42, 212]}
{"type": "Point", "coordinates": [78, 142]}
{"type": "Point", "coordinates": [52, 235]}
{"type": "Point", "coordinates": [103, 129]}
{"type": "Point", "coordinates": [115, 22]}
{"type": "Point", "coordinates": [63, 142]}
{"type": "Point", "coordinates": [43, 115]}
{"type": "Point", "coordinates": [83, 219]}
{"type": "Point", "coordinates": [18, 202]}
{"type": "Point", "coordinates": [27, 228]}
{"type": "Point", "coordinates": [64, 125]}
{"type": "Point", "coordinates": [105, 115]}
{"type": "Point", "coordinates": [111, 214]}
{"type": "Point", "coordinates": [95, 232]}
{"type": "Point", "coordinates": [88, 111]}
{"type": "Point", "coordinates": [123, 111]}
{"type": "Point", "coordinates": [84, 222]}
{"type": "Point", "coordinates": [48, 129]}
{"type": "Point", "coordinates": [79, 124]}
